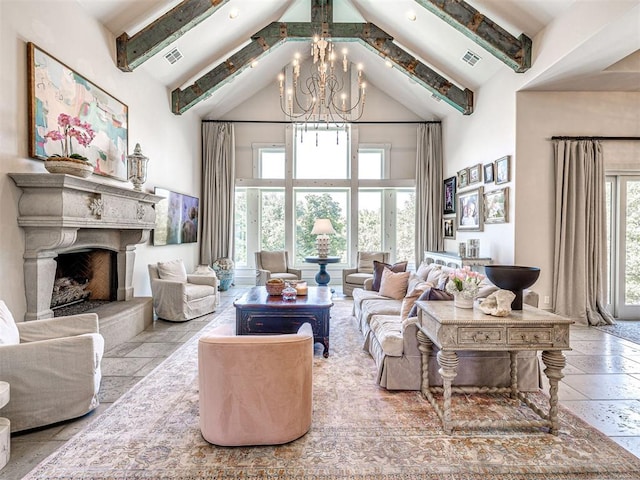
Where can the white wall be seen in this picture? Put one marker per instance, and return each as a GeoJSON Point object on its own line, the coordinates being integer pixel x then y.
{"type": "Point", "coordinates": [172, 143]}
{"type": "Point", "coordinates": [541, 115]}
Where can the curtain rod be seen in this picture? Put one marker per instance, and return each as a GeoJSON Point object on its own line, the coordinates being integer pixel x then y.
{"type": "Point", "coordinates": [399, 122]}
{"type": "Point", "coordinates": [597, 138]}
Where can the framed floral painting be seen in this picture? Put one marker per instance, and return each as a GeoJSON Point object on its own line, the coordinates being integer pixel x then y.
{"type": "Point", "coordinates": [56, 91]}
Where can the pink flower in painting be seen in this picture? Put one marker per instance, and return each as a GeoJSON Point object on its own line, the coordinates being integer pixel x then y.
{"type": "Point", "coordinates": [68, 128]}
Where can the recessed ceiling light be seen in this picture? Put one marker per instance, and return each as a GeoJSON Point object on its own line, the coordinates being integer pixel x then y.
{"type": "Point", "coordinates": [411, 15]}
{"type": "Point", "coordinates": [233, 13]}
{"type": "Point", "coordinates": [254, 64]}
{"type": "Point", "coordinates": [388, 63]}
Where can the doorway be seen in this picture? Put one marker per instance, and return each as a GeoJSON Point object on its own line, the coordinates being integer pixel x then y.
{"type": "Point", "coordinates": [623, 243]}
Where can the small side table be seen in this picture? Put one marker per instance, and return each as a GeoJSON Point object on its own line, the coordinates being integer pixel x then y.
{"type": "Point", "coordinates": [322, 277]}
{"type": "Point", "coordinates": [5, 427]}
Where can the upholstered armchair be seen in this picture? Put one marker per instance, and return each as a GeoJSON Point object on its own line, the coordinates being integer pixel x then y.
{"type": "Point", "coordinates": [355, 277]}
{"type": "Point", "coordinates": [255, 389]}
{"type": "Point", "coordinates": [274, 265]}
{"type": "Point", "coordinates": [178, 296]}
{"type": "Point", "coordinates": [52, 367]}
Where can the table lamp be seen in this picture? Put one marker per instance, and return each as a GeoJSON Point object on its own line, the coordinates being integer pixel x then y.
{"type": "Point", "coordinates": [322, 228]}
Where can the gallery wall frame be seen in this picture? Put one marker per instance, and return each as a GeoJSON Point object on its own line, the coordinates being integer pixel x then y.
{"type": "Point", "coordinates": [449, 195]}
{"type": "Point", "coordinates": [448, 227]}
{"type": "Point", "coordinates": [463, 178]}
{"type": "Point", "coordinates": [54, 88]}
{"type": "Point", "coordinates": [469, 206]}
{"type": "Point", "coordinates": [488, 173]}
{"type": "Point", "coordinates": [475, 174]}
{"type": "Point", "coordinates": [496, 206]}
{"type": "Point", "coordinates": [503, 170]}
{"type": "Point", "coordinates": [176, 218]}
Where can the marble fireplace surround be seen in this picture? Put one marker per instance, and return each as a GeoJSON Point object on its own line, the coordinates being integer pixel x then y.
{"type": "Point", "coordinates": [61, 213]}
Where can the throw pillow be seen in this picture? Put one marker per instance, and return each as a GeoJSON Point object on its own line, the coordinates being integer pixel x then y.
{"type": "Point", "coordinates": [430, 294]}
{"type": "Point", "coordinates": [378, 267]}
{"type": "Point", "coordinates": [410, 299]}
{"type": "Point", "coordinates": [394, 285]}
{"type": "Point", "coordinates": [173, 271]}
{"type": "Point", "coordinates": [365, 261]}
{"type": "Point", "coordinates": [9, 334]}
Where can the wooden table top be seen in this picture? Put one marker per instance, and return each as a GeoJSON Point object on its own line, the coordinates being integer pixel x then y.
{"type": "Point", "coordinates": [316, 297]}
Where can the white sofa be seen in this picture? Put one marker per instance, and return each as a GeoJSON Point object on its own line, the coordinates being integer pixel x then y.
{"type": "Point", "coordinates": [391, 341]}
{"type": "Point", "coordinates": [52, 367]}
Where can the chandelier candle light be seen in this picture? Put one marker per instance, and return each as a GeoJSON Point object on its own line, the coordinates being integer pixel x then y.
{"type": "Point", "coordinates": [322, 228]}
{"type": "Point", "coordinates": [137, 168]}
{"type": "Point", "coordinates": [321, 97]}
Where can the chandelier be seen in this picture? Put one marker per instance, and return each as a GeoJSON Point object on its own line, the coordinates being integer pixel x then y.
{"type": "Point", "coordinates": [322, 96]}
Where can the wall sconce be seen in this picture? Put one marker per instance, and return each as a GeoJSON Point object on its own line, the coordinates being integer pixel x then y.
{"type": "Point", "coordinates": [137, 168]}
{"type": "Point", "coordinates": [323, 228]}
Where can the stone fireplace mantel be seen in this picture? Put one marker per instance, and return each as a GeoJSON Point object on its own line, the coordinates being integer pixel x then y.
{"type": "Point", "coordinates": [61, 213]}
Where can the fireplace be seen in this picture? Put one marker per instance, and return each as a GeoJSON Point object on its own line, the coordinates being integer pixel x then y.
{"type": "Point", "coordinates": [63, 218]}
{"type": "Point", "coordinates": [86, 277]}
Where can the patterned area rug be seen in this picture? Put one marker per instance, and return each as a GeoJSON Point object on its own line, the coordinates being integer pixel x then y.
{"type": "Point", "coordinates": [359, 431]}
{"type": "Point", "coordinates": [627, 329]}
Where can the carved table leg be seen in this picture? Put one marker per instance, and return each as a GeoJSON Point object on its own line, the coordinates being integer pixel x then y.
{"type": "Point", "coordinates": [425, 345]}
{"type": "Point", "coordinates": [555, 361]}
{"type": "Point", "coordinates": [448, 362]}
{"type": "Point", "coordinates": [514, 374]}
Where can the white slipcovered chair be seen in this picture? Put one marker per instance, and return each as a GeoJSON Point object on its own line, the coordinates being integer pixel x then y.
{"type": "Point", "coordinates": [52, 367]}
{"type": "Point", "coordinates": [355, 277]}
{"type": "Point", "coordinates": [274, 265]}
{"type": "Point", "coordinates": [178, 296]}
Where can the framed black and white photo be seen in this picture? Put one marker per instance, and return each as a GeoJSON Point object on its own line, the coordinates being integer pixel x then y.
{"type": "Point", "coordinates": [502, 170]}
{"type": "Point", "coordinates": [475, 174]}
{"type": "Point", "coordinates": [496, 206]}
{"type": "Point", "coordinates": [469, 210]}
{"type": "Point", "coordinates": [488, 173]}
{"type": "Point", "coordinates": [463, 178]}
{"type": "Point", "coordinates": [448, 227]}
{"type": "Point", "coordinates": [450, 195]}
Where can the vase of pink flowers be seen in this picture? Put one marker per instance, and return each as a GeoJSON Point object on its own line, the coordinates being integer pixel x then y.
{"type": "Point", "coordinates": [70, 128]}
{"type": "Point", "coordinates": [464, 285]}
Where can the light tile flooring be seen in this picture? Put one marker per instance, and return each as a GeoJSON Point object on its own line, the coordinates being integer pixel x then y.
{"type": "Point", "coordinates": [601, 385]}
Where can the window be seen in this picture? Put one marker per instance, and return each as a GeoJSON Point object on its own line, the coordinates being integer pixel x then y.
{"type": "Point", "coordinates": [293, 185]}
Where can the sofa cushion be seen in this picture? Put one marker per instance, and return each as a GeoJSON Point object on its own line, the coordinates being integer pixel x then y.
{"type": "Point", "coordinates": [425, 268]}
{"type": "Point", "coordinates": [365, 261]}
{"type": "Point", "coordinates": [9, 334]}
{"type": "Point", "coordinates": [378, 268]}
{"type": "Point", "coordinates": [430, 293]}
{"type": "Point", "coordinates": [357, 278]}
{"type": "Point", "coordinates": [433, 275]}
{"type": "Point", "coordinates": [388, 331]}
{"type": "Point", "coordinates": [394, 285]}
{"type": "Point", "coordinates": [173, 271]}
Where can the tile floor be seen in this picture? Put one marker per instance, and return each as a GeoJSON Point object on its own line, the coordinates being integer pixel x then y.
{"type": "Point", "coordinates": [601, 385]}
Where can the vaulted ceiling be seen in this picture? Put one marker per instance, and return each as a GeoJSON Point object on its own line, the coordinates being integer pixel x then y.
{"type": "Point", "coordinates": [412, 49]}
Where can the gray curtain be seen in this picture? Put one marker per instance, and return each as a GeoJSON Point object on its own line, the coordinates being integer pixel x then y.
{"type": "Point", "coordinates": [218, 192]}
{"type": "Point", "coordinates": [429, 190]}
{"type": "Point", "coordinates": [580, 253]}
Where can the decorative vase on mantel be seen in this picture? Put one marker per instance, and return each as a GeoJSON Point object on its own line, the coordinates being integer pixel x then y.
{"type": "Point", "coordinates": [462, 301]}
{"type": "Point", "coordinates": [68, 165]}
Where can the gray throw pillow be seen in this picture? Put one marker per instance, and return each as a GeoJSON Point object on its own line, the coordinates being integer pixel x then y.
{"type": "Point", "coordinates": [430, 293]}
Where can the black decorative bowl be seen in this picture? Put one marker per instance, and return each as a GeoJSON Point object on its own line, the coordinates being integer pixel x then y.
{"type": "Point", "coordinates": [514, 278]}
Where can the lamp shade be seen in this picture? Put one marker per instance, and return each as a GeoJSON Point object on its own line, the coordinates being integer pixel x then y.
{"type": "Point", "coordinates": [322, 226]}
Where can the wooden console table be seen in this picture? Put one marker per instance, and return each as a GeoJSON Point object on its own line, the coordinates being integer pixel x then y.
{"type": "Point", "coordinates": [454, 329]}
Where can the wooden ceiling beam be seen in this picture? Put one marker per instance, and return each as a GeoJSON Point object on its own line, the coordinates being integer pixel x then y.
{"type": "Point", "coordinates": [371, 36]}
{"type": "Point", "coordinates": [183, 100]}
{"type": "Point", "coordinates": [133, 51]}
{"type": "Point", "coordinates": [515, 52]}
